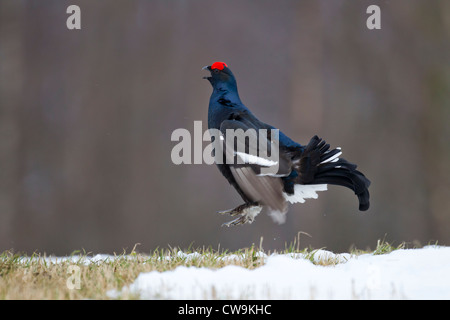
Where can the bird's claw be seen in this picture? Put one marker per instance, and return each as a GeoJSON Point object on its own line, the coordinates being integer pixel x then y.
{"type": "Point", "coordinates": [243, 218]}
{"type": "Point", "coordinates": [246, 214]}
{"type": "Point", "coordinates": [231, 212]}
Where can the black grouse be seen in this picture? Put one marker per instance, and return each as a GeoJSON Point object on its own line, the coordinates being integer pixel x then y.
{"type": "Point", "coordinates": [297, 172]}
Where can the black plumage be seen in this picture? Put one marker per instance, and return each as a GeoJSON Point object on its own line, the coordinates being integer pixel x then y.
{"type": "Point", "coordinates": [299, 172]}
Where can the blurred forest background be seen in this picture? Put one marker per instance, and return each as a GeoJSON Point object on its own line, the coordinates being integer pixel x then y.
{"type": "Point", "coordinates": [86, 118]}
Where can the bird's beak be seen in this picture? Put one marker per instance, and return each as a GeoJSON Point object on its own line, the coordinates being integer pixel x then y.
{"type": "Point", "coordinates": [208, 68]}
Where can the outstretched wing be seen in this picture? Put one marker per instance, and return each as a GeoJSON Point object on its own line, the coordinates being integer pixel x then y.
{"type": "Point", "coordinates": [256, 173]}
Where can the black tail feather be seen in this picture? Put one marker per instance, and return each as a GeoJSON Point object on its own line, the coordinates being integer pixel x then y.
{"type": "Point", "coordinates": [313, 170]}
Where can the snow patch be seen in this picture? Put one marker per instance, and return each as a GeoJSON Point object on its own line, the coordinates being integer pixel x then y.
{"type": "Point", "coordinates": [402, 274]}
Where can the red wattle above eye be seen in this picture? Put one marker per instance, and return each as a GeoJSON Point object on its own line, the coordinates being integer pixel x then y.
{"type": "Point", "coordinates": [219, 65]}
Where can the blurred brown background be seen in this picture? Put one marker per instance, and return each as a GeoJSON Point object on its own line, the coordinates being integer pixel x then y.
{"type": "Point", "coordinates": [86, 118]}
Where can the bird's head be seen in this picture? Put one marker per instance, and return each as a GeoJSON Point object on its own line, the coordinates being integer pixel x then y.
{"type": "Point", "coordinates": [221, 75]}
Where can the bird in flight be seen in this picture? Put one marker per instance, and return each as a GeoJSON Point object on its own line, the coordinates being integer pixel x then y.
{"type": "Point", "coordinates": [297, 173]}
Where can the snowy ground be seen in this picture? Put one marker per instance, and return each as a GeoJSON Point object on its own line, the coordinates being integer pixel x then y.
{"type": "Point", "coordinates": [402, 274]}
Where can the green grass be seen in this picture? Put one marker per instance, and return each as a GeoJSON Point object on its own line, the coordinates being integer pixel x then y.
{"type": "Point", "coordinates": [37, 277]}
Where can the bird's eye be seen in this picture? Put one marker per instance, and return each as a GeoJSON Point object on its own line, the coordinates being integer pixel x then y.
{"type": "Point", "coordinates": [216, 70]}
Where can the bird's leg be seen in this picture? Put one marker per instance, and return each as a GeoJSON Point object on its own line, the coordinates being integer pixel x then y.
{"type": "Point", "coordinates": [237, 210]}
{"type": "Point", "coordinates": [246, 213]}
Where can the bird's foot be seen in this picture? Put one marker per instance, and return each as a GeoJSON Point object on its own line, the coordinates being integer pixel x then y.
{"type": "Point", "coordinates": [246, 214]}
